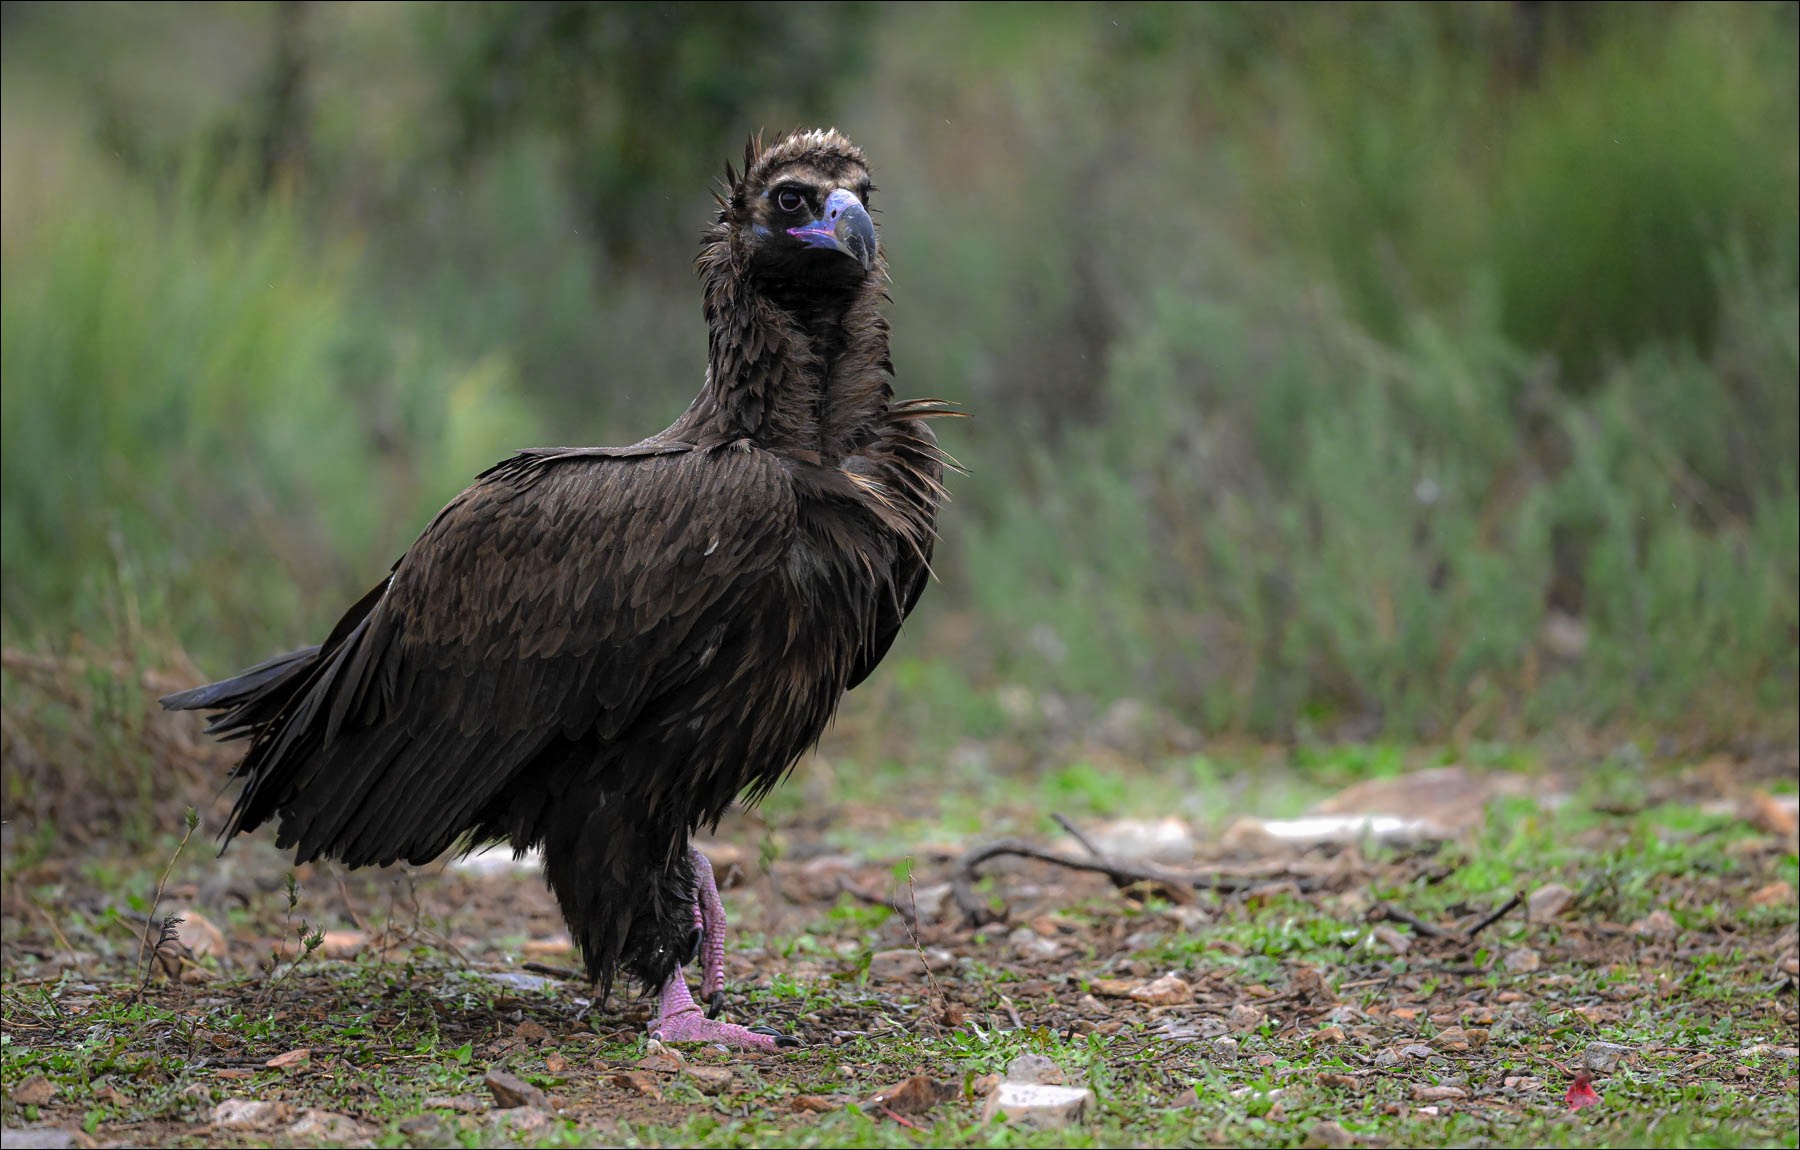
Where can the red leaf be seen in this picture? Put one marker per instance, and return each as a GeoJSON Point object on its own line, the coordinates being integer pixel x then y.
{"type": "Point", "coordinates": [1581, 1092]}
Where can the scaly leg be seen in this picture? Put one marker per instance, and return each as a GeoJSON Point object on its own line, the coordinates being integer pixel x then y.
{"type": "Point", "coordinates": [709, 919]}
{"type": "Point", "coordinates": [678, 1019]}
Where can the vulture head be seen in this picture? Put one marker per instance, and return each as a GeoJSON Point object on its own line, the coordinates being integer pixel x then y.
{"type": "Point", "coordinates": [799, 212]}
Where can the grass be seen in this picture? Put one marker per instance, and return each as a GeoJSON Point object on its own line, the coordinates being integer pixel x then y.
{"type": "Point", "coordinates": [1333, 1021]}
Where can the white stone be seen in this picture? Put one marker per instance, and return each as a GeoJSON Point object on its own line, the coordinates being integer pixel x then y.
{"type": "Point", "coordinates": [249, 1114]}
{"type": "Point", "coordinates": [1038, 1106]}
{"type": "Point", "coordinates": [1604, 1057]}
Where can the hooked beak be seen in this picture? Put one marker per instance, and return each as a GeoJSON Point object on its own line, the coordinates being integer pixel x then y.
{"type": "Point", "coordinates": [845, 227]}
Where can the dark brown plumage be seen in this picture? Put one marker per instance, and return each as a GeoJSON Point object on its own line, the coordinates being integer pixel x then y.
{"type": "Point", "coordinates": [595, 650]}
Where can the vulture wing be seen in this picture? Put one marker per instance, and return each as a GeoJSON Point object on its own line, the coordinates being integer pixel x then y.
{"type": "Point", "coordinates": [556, 597]}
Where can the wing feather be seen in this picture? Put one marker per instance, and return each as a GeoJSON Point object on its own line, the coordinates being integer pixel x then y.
{"type": "Point", "coordinates": [557, 596]}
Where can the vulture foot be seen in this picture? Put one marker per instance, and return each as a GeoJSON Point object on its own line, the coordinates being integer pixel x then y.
{"type": "Point", "coordinates": [709, 920]}
{"type": "Point", "coordinates": [679, 1020]}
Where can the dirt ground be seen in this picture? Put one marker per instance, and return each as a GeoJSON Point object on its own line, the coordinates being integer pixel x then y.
{"type": "Point", "coordinates": [1554, 945]}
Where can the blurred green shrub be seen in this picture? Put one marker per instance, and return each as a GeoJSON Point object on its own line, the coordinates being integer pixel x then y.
{"type": "Point", "coordinates": [1277, 554]}
{"type": "Point", "coordinates": [1412, 157]}
{"type": "Point", "coordinates": [198, 414]}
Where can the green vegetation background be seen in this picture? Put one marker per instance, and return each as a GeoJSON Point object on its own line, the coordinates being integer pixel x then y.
{"type": "Point", "coordinates": [1339, 371]}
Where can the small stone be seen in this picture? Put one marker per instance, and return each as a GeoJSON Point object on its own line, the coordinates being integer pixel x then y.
{"type": "Point", "coordinates": [1340, 1081]}
{"type": "Point", "coordinates": [518, 1120]}
{"type": "Point", "coordinates": [555, 1063]}
{"type": "Point", "coordinates": [1416, 1052]}
{"type": "Point", "coordinates": [661, 1059]}
{"type": "Point", "coordinates": [1522, 1082]}
{"type": "Point", "coordinates": [41, 1138]}
{"type": "Point", "coordinates": [1329, 1136]}
{"type": "Point", "coordinates": [1165, 991]}
{"type": "Point", "coordinates": [1775, 894]}
{"type": "Point", "coordinates": [1224, 1050]}
{"type": "Point", "coordinates": [427, 1130]}
{"type": "Point", "coordinates": [1604, 1057]}
{"type": "Point", "coordinates": [529, 1031]}
{"type": "Point", "coordinates": [1392, 939]}
{"type": "Point", "coordinates": [1114, 987]}
{"type": "Point", "coordinates": [199, 935]}
{"type": "Point", "coordinates": [1243, 1016]}
{"type": "Point", "coordinates": [1451, 1038]}
{"type": "Point", "coordinates": [1035, 1068]}
{"type": "Point", "coordinates": [1328, 1036]}
{"type": "Point", "coordinates": [1387, 1059]}
{"type": "Point", "coordinates": [461, 1103]}
{"type": "Point", "coordinates": [907, 963]}
{"type": "Point", "coordinates": [510, 1091]}
{"type": "Point", "coordinates": [1037, 1106]}
{"type": "Point", "coordinates": [1439, 1093]}
{"type": "Point", "coordinates": [292, 1060]}
{"type": "Point", "coordinates": [1031, 946]}
{"type": "Point", "coordinates": [343, 944]}
{"type": "Point", "coordinates": [638, 1082]}
{"type": "Point", "coordinates": [1524, 960]}
{"type": "Point", "coordinates": [34, 1091]}
{"type": "Point", "coordinates": [1659, 925]}
{"type": "Point", "coordinates": [326, 1126]}
{"type": "Point", "coordinates": [249, 1114]}
{"type": "Point", "coordinates": [1164, 840]}
{"type": "Point", "coordinates": [916, 1095]}
{"type": "Point", "coordinates": [550, 945]}
{"type": "Point", "coordinates": [1548, 901]}
{"type": "Point", "coordinates": [814, 1104]}
{"type": "Point", "coordinates": [1770, 1050]}
{"type": "Point", "coordinates": [710, 1079]}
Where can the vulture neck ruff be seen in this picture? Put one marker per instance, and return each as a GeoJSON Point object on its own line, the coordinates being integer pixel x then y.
{"type": "Point", "coordinates": [796, 363]}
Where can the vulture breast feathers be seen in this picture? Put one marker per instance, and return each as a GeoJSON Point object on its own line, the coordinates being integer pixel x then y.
{"type": "Point", "coordinates": [595, 650]}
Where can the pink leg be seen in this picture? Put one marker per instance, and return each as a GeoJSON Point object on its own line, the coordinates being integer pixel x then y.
{"type": "Point", "coordinates": [679, 1019]}
{"type": "Point", "coordinates": [709, 918]}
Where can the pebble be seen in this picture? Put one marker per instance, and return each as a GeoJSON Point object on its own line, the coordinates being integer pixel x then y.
{"type": "Point", "coordinates": [199, 935]}
{"type": "Point", "coordinates": [1038, 1106]}
{"type": "Point", "coordinates": [1604, 1057]}
{"type": "Point", "coordinates": [1329, 1136]}
{"type": "Point", "coordinates": [1548, 901]}
{"type": "Point", "coordinates": [1524, 960]}
{"type": "Point", "coordinates": [327, 1126]}
{"type": "Point", "coordinates": [38, 1138]}
{"type": "Point", "coordinates": [510, 1091]}
{"type": "Point", "coordinates": [710, 1079]}
{"type": "Point", "coordinates": [1392, 939]}
{"type": "Point", "coordinates": [906, 963]}
{"type": "Point", "coordinates": [1775, 894]}
{"type": "Point", "coordinates": [248, 1114]}
{"type": "Point", "coordinates": [1439, 1093]}
{"type": "Point", "coordinates": [1225, 1050]}
{"type": "Point", "coordinates": [1243, 1017]}
{"type": "Point", "coordinates": [1031, 946]}
{"type": "Point", "coordinates": [1114, 987]}
{"type": "Point", "coordinates": [520, 1119]}
{"type": "Point", "coordinates": [1165, 991]}
{"type": "Point", "coordinates": [1658, 924]}
{"type": "Point", "coordinates": [34, 1091]}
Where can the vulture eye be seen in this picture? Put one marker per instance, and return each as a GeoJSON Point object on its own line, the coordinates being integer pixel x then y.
{"type": "Point", "coordinates": [789, 200]}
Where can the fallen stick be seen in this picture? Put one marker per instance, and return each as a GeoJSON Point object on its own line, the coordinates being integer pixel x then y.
{"type": "Point", "coordinates": [1123, 873]}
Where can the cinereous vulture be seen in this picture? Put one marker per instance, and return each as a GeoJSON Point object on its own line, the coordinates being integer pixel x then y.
{"type": "Point", "coordinates": [593, 651]}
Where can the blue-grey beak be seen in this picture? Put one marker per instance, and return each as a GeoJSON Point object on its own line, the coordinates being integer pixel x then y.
{"type": "Point", "coordinates": [845, 227]}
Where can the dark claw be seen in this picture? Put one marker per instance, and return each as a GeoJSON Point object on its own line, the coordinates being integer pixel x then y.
{"type": "Point", "coordinates": [695, 940]}
{"type": "Point", "coordinates": [717, 1004]}
{"type": "Point", "coordinates": [782, 1040]}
